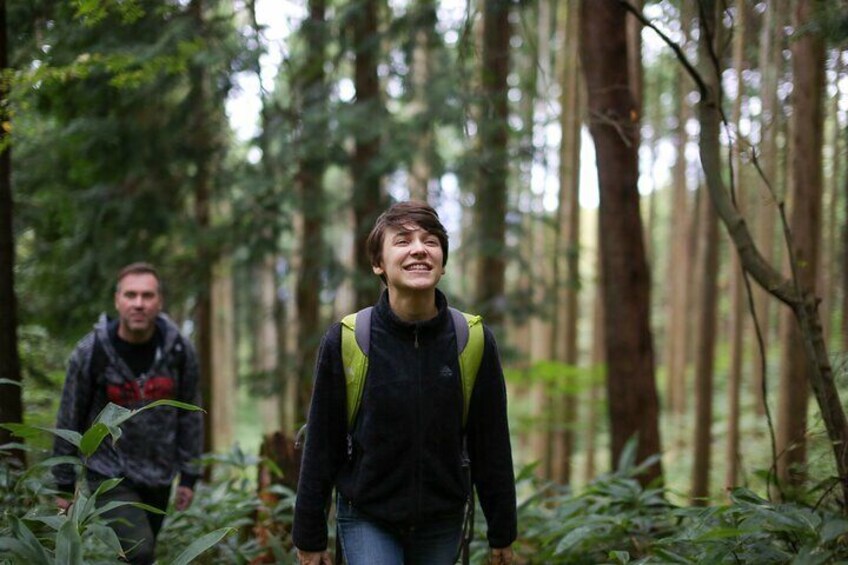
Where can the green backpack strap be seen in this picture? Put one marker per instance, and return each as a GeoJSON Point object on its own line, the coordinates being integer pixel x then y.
{"type": "Point", "coordinates": [356, 337]}
{"type": "Point", "coordinates": [355, 340]}
{"type": "Point", "coordinates": [470, 346]}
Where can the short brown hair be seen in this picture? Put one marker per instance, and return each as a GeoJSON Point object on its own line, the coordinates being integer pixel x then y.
{"type": "Point", "coordinates": [137, 268]}
{"type": "Point", "coordinates": [401, 214]}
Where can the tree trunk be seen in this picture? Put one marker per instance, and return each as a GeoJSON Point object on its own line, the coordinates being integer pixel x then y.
{"type": "Point", "coordinates": [679, 258]}
{"type": "Point", "coordinates": [494, 137]}
{"type": "Point", "coordinates": [313, 94]}
{"type": "Point", "coordinates": [202, 214]}
{"type": "Point", "coordinates": [738, 310]}
{"type": "Point", "coordinates": [597, 372]}
{"type": "Point", "coordinates": [421, 168]}
{"type": "Point", "coordinates": [367, 194]}
{"type": "Point", "coordinates": [805, 225]}
{"type": "Point", "coordinates": [566, 254]}
{"type": "Point", "coordinates": [770, 63]}
{"type": "Point", "coordinates": [631, 390]}
{"type": "Point", "coordinates": [224, 381]}
{"type": "Point", "coordinates": [267, 353]}
{"type": "Point", "coordinates": [11, 404]}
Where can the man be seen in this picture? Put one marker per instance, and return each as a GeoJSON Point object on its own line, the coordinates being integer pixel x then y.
{"type": "Point", "coordinates": [398, 468]}
{"type": "Point", "coordinates": [131, 361]}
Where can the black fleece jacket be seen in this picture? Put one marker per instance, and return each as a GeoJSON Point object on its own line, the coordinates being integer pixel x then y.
{"type": "Point", "coordinates": [405, 462]}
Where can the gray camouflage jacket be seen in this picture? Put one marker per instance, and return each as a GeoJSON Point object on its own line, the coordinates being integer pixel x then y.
{"type": "Point", "coordinates": [156, 444]}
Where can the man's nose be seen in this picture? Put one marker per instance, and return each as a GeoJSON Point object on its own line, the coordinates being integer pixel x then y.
{"type": "Point", "coordinates": [418, 247]}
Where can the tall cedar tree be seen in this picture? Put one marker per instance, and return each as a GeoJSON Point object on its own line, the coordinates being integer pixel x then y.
{"type": "Point", "coordinates": [707, 303]}
{"type": "Point", "coordinates": [625, 283]}
{"type": "Point", "coordinates": [366, 170]}
{"type": "Point", "coordinates": [492, 189]}
{"type": "Point", "coordinates": [808, 59]}
{"type": "Point", "coordinates": [313, 94]}
{"type": "Point", "coordinates": [11, 405]}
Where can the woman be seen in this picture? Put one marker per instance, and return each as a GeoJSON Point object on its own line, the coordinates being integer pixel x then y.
{"type": "Point", "coordinates": [402, 486]}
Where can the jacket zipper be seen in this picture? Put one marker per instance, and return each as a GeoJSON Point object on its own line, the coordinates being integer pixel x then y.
{"type": "Point", "coordinates": [419, 424]}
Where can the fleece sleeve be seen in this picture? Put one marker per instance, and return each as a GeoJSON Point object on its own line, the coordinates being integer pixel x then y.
{"type": "Point", "coordinates": [190, 422]}
{"type": "Point", "coordinates": [490, 450]}
{"type": "Point", "coordinates": [324, 451]}
{"type": "Point", "coordinates": [74, 408]}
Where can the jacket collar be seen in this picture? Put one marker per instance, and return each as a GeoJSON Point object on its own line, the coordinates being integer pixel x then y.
{"type": "Point", "coordinates": [423, 328]}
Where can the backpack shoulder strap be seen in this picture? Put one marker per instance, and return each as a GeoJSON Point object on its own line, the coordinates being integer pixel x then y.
{"type": "Point", "coordinates": [356, 340]}
{"type": "Point", "coordinates": [469, 344]}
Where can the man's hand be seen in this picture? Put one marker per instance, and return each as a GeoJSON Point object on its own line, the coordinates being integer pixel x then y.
{"type": "Point", "coordinates": [502, 556]}
{"type": "Point", "coordinates": [314, 558]}
{"type": "Point", "coordinates": [183, 499]}
{"type": "Point", "coordinates": [63, 504]}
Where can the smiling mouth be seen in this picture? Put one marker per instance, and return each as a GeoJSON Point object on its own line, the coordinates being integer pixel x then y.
{"type": "Point", "coordinates": [418, 268]}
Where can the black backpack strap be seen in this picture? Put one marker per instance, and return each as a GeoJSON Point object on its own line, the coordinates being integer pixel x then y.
{"type": "Point", "coordinates": [363, 329]}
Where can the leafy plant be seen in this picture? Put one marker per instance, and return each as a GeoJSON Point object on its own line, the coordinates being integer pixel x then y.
{"type": "Point", "coordinates": [30, 529]}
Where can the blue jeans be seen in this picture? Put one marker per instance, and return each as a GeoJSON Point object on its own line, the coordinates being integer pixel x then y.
{"type": "Point", "coordinates": [365, 542]}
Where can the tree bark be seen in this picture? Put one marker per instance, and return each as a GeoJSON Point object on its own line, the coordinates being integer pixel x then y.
{"type": "Point", "coordinates": [367, 194]}
{"type": "Point", "coordinates": [738, 310]}
{"type": "Point", "coordinates": [224, 378]}
{"type": "Point", "coordinates": [631, 390]}
{"type": "Point", "coordinates": [805, 225]}
{"type": "Point", "coordinates": [313, 94]}
{"type": "Point", "coordinates": [11, 392]}
{"type": "Point", "coordinates": [491, 199]}
{"type": "Point", "coordinates": [566, 254]}
{"type": "Point", "coordinates": [202, 215]}
{"type": "Point", "coordinates": [770, 65]}
{"type": "Point", "coordinates": [421, 168]}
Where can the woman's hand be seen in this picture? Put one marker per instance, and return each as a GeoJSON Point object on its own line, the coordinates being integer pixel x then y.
{"type": "Point", "coordinates": [502, 556]}
{"type": "Point", "coordinates": [314, 557]}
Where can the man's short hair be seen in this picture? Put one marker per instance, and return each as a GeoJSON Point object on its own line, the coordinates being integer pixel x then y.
{"type": "Point", "coordinates": [402, 214]}
{"type": "Point", "coordinates": [138, 268]}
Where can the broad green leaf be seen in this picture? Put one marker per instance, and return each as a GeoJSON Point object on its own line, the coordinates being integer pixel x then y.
{"type": "Point", "coordinates": [833, 529]}
{"type": "Point", "coordinates": [108, 536]}
{"type": "Point", "coordinates": [92, 438]}
{"type": "Point", "coordinates": [574, 537]}
{"type": "Point", "coordinates": [107, 485]}
{"type": "Point", "coordinates": [174, 403]}
{"type": "Point", "coordinates": [54, 522]}
{"type": "Point", "coordinates": [35, 551]}
{"type": "Point", "coordinates": [13, 547]}
{"type": "Point", "coordinates": [69, 544]}
{"type": "Point", "coordinates": [619, 556]}
{"type": "Point", "coordinates": [200, 545]}
{"type": "Point", "coordinates": [27, 431]}
{"type": "Point", "coordinates": [10, 382]}
{"type": "Point", "coordinates": [112, 504]}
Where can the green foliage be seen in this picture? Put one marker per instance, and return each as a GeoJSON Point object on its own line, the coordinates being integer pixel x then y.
{"type": "Point", "coordinates": [616, 520]}
{"type": "Point", "coordinates": [30, 529]}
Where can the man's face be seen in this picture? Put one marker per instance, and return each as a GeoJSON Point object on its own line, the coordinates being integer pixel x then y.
{"type": "Point", "coordinates": [138, 303]}
{"type": "Point", "coordinates": [412, 259]}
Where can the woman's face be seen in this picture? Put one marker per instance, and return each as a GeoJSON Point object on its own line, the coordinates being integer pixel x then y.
{"type": "Point", "coordinates": [411, 260]}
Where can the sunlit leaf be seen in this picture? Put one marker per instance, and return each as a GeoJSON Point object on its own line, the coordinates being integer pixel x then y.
{"type": "Point", "coordinates": [200, 545]}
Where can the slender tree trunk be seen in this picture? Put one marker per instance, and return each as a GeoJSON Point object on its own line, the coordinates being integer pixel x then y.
{"type": "Point", "coordinates": [631, 390]}
{"type": "Point", "coordinates": [223, 357]}
{"type": "Point", "coordinates": [367, 194]}
{"type": "Point", "coordinates": [11, 404]}
{"type": "Point", "coordinates": [598, 363]}
{"type": "Point", "coordinates": [494, 138]}
{"type": "Point", "coordinates": [830, 240]}
{"type": "Point", "coordinates": [202, 215]}
{"type": "Point", "coordinates": [709, 40]}
{"type": "Point", "coordinates": [770, 63]}
{"type": "Point", "coordinates": [266, 350]}
{"type": "Point", "coordinates": [738, 310]}
{"type": "Point", "coordinates": [844, 342]}
{"type": "Point", "coordinates": [421, 169]}
{"type": "Point", "coordinates": [805, 224]}
{"type": "Point", "coordinates": [567, 251]}
{"type": "Point", "coordinates": [312, 162]}
{"type": "Point", "coordinates": [679, 258]}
